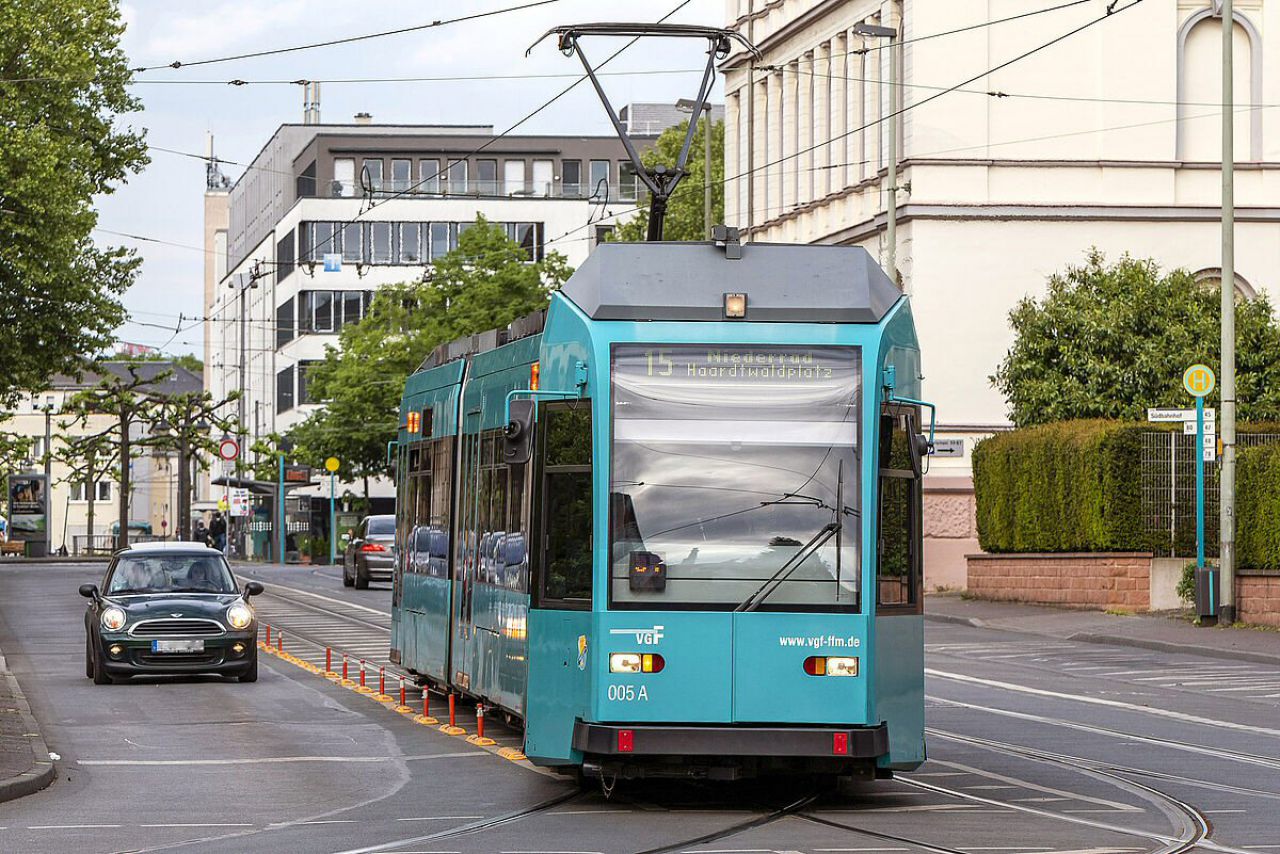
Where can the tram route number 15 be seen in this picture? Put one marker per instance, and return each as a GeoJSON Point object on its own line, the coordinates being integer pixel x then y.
{"type": "Point", "coordinates": [627, 693]}
{"type": "Point", "coordinates": [658, 358]}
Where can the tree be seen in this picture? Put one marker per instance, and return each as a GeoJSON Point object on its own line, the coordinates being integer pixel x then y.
{"type": "Point", "coordinates": [182, 360]}
{"type": "Point", "coordinates": [63, 87]}
{"type": "Point", "coordinates": [487, 282]}
{"type": "Point", "coordinates": [685, 209]}
{"type": "Point", "coordinates": [1110, 340]}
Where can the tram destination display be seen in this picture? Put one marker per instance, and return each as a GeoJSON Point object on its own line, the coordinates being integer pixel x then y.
{"type": "Point", "coordinates": [740, 365]}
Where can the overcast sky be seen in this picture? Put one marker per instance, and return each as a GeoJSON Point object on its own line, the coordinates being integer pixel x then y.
{"type": "Point", "coordinates": [165, 201]}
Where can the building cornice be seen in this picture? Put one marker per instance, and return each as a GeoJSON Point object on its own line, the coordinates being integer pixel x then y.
{"type": "Point", "coordinates": [783, 33]}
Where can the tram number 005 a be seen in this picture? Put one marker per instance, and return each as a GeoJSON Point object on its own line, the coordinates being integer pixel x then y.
{"type": "Point", "coordinates": [627, 693]}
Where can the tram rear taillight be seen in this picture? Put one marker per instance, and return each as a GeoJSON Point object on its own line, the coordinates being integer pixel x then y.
{"type": "Point", "coordinates": [636, 662]}
{"type": "Point", "coordinates": [533, 376]}
{"type": "Point", "coordinates": [822, 665]}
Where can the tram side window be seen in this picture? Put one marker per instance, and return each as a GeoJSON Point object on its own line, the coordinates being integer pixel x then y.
{"type": "Point", "coordinates": [900, 566]}
{"type": "Point", "coordinates": [565, 568]}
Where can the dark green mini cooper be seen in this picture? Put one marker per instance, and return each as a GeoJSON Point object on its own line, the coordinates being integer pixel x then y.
{"type": "Point", "coordinates": [169, 608]}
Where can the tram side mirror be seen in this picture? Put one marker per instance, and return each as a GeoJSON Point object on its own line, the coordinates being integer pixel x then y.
{"type": "Point", "coordinates": [518, 434]}
{"type": "Point", "coordinates": [919, 450]}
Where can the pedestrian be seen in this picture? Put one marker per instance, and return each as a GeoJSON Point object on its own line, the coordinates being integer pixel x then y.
{"type": "Point", "coordinates": [201, 533]}
{"type": "Point", "coordinates": [218, 531]}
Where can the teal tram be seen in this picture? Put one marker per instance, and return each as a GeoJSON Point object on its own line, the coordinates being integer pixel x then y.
{"type": "Point", "coordinates": [673, 523]}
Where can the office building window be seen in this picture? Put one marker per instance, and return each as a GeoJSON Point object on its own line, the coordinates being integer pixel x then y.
{"type": "Point", "coordinates": [441, 234]}
{"type": "Point", "coordinates": [379, 243]}
{"type": "Point", "coordinates": [598, 185]}
{"type": "Point", "coordinates": [513, 177]}
{"type": "Point", "coordinates": [626, 181]}
{"type": "Point", "coordinates": [457, 176]}
{"type": "Point", "coordinates": [284, 256]}
{"type": "Point", "coordinates": [304, 393]}
{"type": "Point", "coordinates": [526, 234]}
{"type": "Point", "coordinates": [344, 177]}
{"type": "Point", "coordinates": [487, 177]}
{"type": "Point", "coordinates": [352, 306]}
{"type": "Point", "coordinates": [352, 242]}
{"type": "Point", "coordinates": [401, 175]}
{"type": "Point", "coordinates": [321, 311]}
{"type": "Point", "coordinates": [371, 175]}
{"type": "Point", "coordinates": [102, 493]}
{"type": "Point", "coordinates": [428, 176]}
{"type": "Point", "coordinates": [284, 390]}
{"type": "Point", "coordinates": [306, 183]}
{"type": "Point", "coordinates": [543, 175]}
{"type": "Point", "coordinates": [571, 178]}
{"type": "Point", "coordinates": [284, 323]}
{"type": "Point", "coordinates": [408, 243]}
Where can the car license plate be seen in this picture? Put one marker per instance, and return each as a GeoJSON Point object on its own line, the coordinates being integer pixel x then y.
{"type": "Point", "coordinates": [177, 646]}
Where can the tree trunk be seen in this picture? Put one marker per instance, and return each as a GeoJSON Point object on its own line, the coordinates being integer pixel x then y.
{"type": "Point", "coordinates": [92, 486]}
{"type": "Point", "coordinates": [123, 539]}
{"type": "Point", "coordinates": [184, 490]}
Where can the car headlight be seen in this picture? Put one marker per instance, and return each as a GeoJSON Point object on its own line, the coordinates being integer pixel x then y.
{"type": "Point", "coordinates": [113, 619]}
{"type": "Point", "coordinates": [239, 616]}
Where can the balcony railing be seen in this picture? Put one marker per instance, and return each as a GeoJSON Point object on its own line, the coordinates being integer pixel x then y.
{"type": "Point", "coordinates": [490, 189]}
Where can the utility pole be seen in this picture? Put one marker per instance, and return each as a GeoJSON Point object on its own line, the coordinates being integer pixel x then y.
{"type": "Point", "coordinates": [1227, 475]}
{"type": "Point", "coordinates": [891, 177]}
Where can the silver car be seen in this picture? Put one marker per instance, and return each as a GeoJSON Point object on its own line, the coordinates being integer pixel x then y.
{"type": "Point", "coordinates": [371, 553]}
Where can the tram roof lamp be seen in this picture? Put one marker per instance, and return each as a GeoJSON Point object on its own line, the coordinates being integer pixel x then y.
{"type": "Point", "coordinates": [735, 305]}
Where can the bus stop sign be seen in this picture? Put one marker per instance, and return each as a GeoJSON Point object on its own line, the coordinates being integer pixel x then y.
{"type": "Point", "coordinates": [1199, 380]}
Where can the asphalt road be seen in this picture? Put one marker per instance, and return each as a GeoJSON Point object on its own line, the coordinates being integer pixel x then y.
{"type": "Point", "coordinates": [1035, 746]}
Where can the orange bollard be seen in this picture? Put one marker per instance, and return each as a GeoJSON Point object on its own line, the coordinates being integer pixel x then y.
{"type": "Point", "coordinates": [362, 673]}
{"type": "Point", "coordinates": [480, 720]}
{"type": "Point", "coordinates": [382, 681]}
{"type": "Point", "coordinates": [328, 660]}
{"type": "Point", "coordinates": [279, 641]}
{"type": "Point", "coordinates": [344, 665]}
{"type": "Point", "coordinates": [426, 701]}
{"type": "Point", "coordinates": [453, 717]}
{"type": "Point", "coordinates": [268, 634]}
{"type": "Point", "coordinates": [402, 689]}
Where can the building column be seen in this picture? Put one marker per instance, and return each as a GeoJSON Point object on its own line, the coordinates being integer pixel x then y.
{"type": "Point", "coordinates": [821, 77]}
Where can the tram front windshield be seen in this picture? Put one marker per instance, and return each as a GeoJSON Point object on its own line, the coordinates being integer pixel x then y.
{"type": "Point", "coordinates": [734, 481]}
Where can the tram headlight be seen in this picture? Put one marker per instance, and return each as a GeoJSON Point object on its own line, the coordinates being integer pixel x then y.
{"type": "Point", "coordinates": [636, 662]}
{"type": "Point", "coordinates": [820, 665]}
{"type": "Point", "coordinates": [239, 616]}
{"type": "Point", "coordinates": [113, 619]}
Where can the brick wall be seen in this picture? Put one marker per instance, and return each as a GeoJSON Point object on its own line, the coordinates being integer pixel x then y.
{"type": "Point", "coordinates": [1258, 597]}
{"type": "Point", "coordinates": [1099, 580]}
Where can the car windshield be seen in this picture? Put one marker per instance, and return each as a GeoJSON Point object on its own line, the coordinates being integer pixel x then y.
{"type": "Point", "coordinates": [382, 525]}
{"type": "Point", "coordinates": [735, 477]}
{"type": "Point", "coordinates": [170, 574]}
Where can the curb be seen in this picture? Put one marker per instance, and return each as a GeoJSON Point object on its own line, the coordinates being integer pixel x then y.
{"type": "Point", "coordinates": [952, 618]}
{"type": "Point", "coordinates": [42, 774]}
{"type": "Point", "coordinates": [1179, 648]}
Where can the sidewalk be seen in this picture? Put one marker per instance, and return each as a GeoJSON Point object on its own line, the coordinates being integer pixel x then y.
{"type": "Point", "coordinates": [1166, 633]}
{"type": "Point", "coordinates": [25, 766]}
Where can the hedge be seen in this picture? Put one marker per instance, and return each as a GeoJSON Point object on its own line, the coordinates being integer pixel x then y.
{"type": "Point", "coordinates": [1258, 507]}
{"type": "Point", "coordinates": [1070, 486]}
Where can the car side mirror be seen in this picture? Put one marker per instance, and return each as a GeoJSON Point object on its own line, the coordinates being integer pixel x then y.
{"type": "Point", "coordinates": [518, 434]}
{"type": "Point", "coordinates": [253, 588]}
{"type": "Point", "coordinates": [89, 591]}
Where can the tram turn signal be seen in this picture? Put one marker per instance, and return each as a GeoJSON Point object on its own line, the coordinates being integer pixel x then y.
{"type": "Point", "coordinates": [820, 665]}
{"type": "Point", "coordinates": [636, 662]}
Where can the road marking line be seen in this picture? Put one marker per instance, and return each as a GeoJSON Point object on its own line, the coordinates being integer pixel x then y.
{"type": "Point", "coordinates": [200, 824]}
{"type": "Point", "coordinates": [342, 602]}
{"type": "Point", "coordinates": [1026, 784]}
{"type": "Point", "coordinates": [70, 826]}
{"type": "Point", "coordinates": [440, 817]}
{"type": "Point", "coordinates": [268, 760]}
{"type": "Point", "coordinates": [1099, 701]}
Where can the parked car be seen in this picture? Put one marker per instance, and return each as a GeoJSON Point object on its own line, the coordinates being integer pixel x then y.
{"type": "Point", "coordinates": [371, 554]}
{"type": "Point", "coordinates": [169, 608]}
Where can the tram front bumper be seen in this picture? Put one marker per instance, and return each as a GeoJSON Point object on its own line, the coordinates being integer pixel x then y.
{"type": "Point", "coordinates": [640, 740]}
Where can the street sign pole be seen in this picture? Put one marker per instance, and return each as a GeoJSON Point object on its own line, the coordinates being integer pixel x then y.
{"type": "Point", "coordinates": [332, 464]}
{"type": "Point", "coordinates": [1200, 484]}
{"type": "Point", "coordinates": [280, 523]}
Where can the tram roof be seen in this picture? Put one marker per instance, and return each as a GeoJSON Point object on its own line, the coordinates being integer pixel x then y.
{"type": "Point", "coordinates": [784, 282]}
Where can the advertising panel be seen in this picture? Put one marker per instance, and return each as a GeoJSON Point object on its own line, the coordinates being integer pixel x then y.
{"type": "Point", "coordinates": [28, 507]}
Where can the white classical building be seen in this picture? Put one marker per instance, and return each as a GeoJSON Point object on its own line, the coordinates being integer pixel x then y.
{"type": "Point", "coordinates": [1109, 138]}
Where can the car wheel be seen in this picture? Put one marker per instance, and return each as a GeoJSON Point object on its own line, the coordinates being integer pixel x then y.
{"type": "Point", "coordinates": [100, 674]}
{"type": "Point", "coordinates": [250, 673]}
{"type": "Point", "coordinates": [362, 578]}
{"type": "Point", "coordinates": [88, 657]}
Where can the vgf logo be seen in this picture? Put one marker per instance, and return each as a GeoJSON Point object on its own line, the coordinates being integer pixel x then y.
{"type": "Point", "coordinates": [644, 637]}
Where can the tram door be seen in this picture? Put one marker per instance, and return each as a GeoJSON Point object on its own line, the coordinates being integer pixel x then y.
{"type": "Point", "coordinates": [467, 551]}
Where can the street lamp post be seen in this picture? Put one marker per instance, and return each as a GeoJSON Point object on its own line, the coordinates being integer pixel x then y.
{"type": "Point", "coordinates": [891, 207]}
{"type": "Point", "coordinates": [685, 105]}
{"type": "Point", "coordinates": [1227, 476]}
{"type": "Point", "coordinates": [47, 409]}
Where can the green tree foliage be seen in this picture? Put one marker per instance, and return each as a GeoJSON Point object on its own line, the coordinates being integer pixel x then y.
{"type": "Point", "coordinates": [1258, 494]}
{"type": "Point", "coordinates": [1110, 340]}
{"type": "Point", "coordinates": [183, 360]}
{"type": "Point", "coordinates": [685, 209]}
{"type": "Point", "coordinates": [63, 88]}
{"type": "Point", "coordinates": [485, 283]}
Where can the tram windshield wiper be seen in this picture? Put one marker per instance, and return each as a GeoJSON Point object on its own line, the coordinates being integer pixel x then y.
{"type": "Point", "coordinates": [773, 582]}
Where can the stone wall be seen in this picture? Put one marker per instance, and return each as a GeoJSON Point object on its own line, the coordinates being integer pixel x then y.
{"type": "Point", "coordinates": [950, 530]}
{"type": "Point", "coordinates": [1258, 597]}
{"type": "Point", "coordinates": [1097, 580]}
